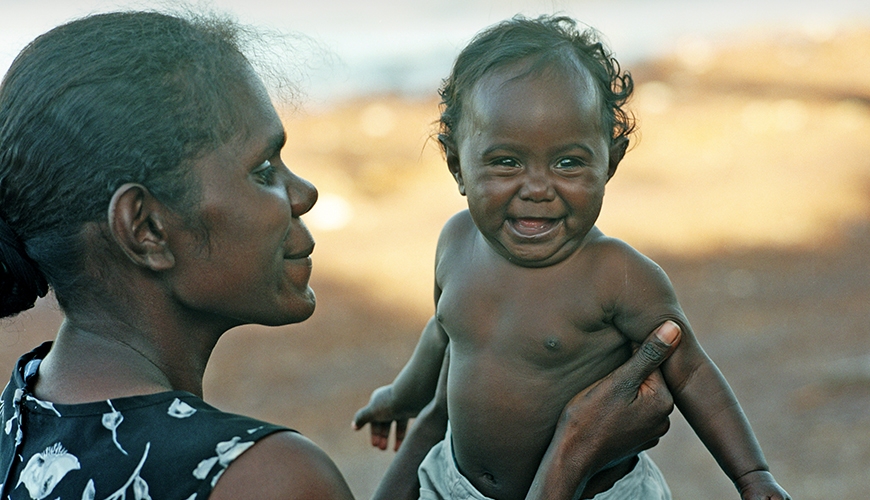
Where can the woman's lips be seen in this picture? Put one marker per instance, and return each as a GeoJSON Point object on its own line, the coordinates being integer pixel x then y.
{"type": "Point", "coordinates": [304, 253]}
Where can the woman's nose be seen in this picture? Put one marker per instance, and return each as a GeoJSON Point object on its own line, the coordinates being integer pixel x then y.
{"type": "Point", "coordinates": [302, 194]}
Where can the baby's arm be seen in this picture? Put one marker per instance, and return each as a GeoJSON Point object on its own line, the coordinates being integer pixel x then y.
{"type": "Point", "coordinates": [645, 299]}
{"type": "Point", "coordinates": [412, 389]}
{"type": "Point", "coordinates": [415, 385]}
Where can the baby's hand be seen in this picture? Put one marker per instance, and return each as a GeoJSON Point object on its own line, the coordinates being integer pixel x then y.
{"type": "Point", "coordinates": [380, 414]}
{"type": "Point", "coordinates": [760, 485]}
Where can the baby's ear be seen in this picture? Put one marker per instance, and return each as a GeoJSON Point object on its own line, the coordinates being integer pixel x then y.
{"type": "Point", "coordinates": [452, 156]}
{"type": "Point", "coordinates": [137, 222]}
{"type": "Point", "coordinates": [618, 148]}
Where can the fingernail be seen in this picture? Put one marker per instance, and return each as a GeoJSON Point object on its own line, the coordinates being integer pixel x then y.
{"type": "Point", "coordinates": [668, 332]}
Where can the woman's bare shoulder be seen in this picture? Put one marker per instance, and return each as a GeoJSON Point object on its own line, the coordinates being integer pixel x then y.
{"type": "Point", "coordinates": [284, 465]}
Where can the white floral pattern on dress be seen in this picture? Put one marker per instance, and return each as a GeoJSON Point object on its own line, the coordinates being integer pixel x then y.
{"type": "Point", "coordinates": [54, 457]}
{"type": "Point", "coordinates": [16, 402]}
{"type": "Point", "coordinates": [140, 487]}
{"type": "Point", "coordinates": [180, 409]}
{"type": "Point", "coordinates": [227, 451]}
{"type": "Point", "coordinates": [44, 470]}
{"type": "Point", "coordinates": [111, 421]}
{"type": "Point", "coordinates": [90, 491]}
{"type": "Point", "coordinates": [48, 405]}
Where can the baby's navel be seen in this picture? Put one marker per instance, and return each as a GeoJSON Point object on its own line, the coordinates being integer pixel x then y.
{"type": "Point", "coordinates": [552, 344]}
{"type": "Point", "coordinates": [488, 477]}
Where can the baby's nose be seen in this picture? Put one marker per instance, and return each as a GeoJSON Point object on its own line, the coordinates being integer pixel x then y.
{"type": "Point", "coordinates": [537, 187]}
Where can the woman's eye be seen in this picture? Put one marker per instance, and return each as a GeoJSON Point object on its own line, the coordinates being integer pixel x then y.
{"type": "Point", "coordinates": [266, 173]}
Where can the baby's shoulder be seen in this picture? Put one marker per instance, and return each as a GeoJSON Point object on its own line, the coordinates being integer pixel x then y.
{"type": "Point", "coordinates": [600, 246]}
{"type": "Point", "coordinates": [459, 222]}
{"type": "Point", "coordinates": [458, 230]}
{"type": "Point", "coordinates": [612, 255]}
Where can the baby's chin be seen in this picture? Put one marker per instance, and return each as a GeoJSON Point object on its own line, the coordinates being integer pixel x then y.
{"type": "Point", "coordinates": [533, 255]}
{"type": "Point", "coordinates": [539, 244]}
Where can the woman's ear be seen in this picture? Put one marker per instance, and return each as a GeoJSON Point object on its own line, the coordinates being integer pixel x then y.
{"type": "Point", "coordinates": [617, 152]}
{"type": "Point", "coordinates": [452, 161]}
{"type": "Point", "coordinates": [137, 222]}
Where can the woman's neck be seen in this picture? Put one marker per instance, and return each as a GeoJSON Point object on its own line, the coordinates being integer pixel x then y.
{"type": "Point", "coordinates": [98, 360]}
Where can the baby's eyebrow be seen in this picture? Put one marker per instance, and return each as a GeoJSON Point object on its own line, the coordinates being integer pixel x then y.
{"type": "Point", "coordinates": [568, 147]}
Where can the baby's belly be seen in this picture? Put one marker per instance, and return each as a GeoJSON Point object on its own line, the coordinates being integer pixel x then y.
{"type": "Point", "coordinates": [503, 414]}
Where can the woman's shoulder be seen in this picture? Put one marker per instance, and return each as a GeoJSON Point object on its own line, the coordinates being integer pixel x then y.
{"type": "Point", "coordinates": [283, 465]}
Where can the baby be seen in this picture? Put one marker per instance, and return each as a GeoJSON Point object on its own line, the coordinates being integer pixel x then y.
{"type": "Point", "coordinates": [533, 301]}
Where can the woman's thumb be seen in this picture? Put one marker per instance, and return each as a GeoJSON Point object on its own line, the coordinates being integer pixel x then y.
{"type": "Point", "coordinates": [652, 353]}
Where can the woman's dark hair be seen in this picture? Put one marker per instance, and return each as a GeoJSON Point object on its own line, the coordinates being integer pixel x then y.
{"type": "Point", "coordinates": [544, 41]}
{"type": "Point", "coordinates": [91, 105]}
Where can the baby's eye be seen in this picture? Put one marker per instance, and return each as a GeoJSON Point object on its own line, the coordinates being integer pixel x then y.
{"type": "Point", "coordinates": [506, 162]}
{"type": "Point", "coordinates": [266, 173]}
{"type": "Point", "coordinates": [569, 163]}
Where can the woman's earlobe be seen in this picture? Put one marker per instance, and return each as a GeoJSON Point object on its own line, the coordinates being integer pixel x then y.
{"type": "Point", "coordinates": [138, 225]}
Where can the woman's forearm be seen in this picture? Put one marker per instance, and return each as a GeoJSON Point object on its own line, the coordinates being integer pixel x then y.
{"type": "Point", "coordinates": [560, 477]}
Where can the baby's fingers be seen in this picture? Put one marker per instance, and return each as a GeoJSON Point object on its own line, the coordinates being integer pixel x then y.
{"type": "Point", "coordinates": [380, 434]}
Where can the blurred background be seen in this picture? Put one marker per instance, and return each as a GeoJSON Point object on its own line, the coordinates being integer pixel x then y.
{"type": "Point", "coordinates": [748, 182]}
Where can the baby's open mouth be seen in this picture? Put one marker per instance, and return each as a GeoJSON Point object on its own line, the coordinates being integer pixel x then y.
{"type": "Point", "coordinates": [532, 226]}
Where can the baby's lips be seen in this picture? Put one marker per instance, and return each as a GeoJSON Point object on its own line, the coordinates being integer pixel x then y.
{"type": "Point", "coordinates": [531, 226]}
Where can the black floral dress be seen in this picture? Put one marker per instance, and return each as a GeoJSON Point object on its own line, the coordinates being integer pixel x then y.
{"type": "Point", "coordinates": [170, 445]}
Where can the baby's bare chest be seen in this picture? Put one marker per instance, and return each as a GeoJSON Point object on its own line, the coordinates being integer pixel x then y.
{"type": "Point", "coordinates": [545, 317]}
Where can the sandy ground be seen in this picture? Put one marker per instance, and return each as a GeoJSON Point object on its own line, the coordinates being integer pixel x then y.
{"type": "Point", "coordinates": [749, 184]}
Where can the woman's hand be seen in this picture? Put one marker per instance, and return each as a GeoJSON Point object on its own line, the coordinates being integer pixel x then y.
{"type": "Point", "coordinates": [621, 415]}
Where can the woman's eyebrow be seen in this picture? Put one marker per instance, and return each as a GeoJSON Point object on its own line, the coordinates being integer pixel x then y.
{"type": "Point", "coordinates": [276, 142]}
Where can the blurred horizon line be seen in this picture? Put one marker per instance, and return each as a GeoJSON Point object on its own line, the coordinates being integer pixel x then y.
{"type": "Point", "coordinates": [385, 47]}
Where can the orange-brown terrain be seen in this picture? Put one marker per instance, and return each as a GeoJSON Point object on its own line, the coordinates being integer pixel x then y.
{"type": "Point", "coordinates": [749, 182]}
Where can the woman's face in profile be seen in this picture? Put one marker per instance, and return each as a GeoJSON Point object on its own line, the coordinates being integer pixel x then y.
{"type": "Point", "coordinates": [252, 263]}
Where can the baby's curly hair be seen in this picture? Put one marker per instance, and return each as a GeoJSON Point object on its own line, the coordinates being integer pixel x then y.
{"type": "Point", "coordinates": [544, 40]}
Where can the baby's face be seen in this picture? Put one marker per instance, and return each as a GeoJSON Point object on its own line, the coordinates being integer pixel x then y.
{"type": "Point", "coordinates": [533, 161]}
